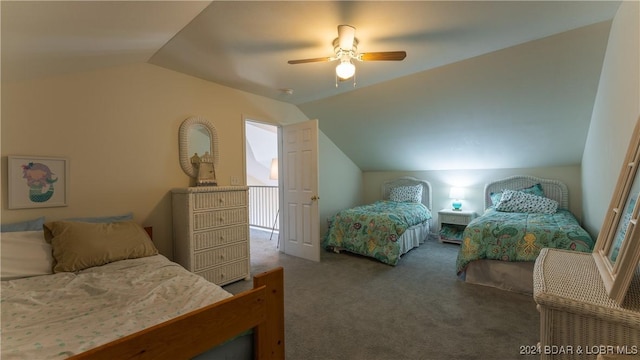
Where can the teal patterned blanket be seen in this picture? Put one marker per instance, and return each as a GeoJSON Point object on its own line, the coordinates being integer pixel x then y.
{"type": "Point", "coordinates": [373, 230]}
{"type": "Point", "coordinates": [513, 236]}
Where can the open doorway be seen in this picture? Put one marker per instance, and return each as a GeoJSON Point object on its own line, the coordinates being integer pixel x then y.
{"type": "Point", "coordinates": [261, 142]}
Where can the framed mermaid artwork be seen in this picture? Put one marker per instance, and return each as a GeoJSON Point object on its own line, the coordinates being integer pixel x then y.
{"type": "Point", "coordinates": [37, 181]}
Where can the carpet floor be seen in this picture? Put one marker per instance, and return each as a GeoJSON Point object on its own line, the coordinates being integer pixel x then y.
{"type": "Point", "coordinates": [352, 307]}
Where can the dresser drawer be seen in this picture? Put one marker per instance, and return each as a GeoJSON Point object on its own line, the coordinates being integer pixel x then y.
{"type": "Point", "coordinates": [214, 238]}
{"type": "Point", "coordinates": [218, 218]}
{"type": "Point", "coordinates": [226, 273]}
{"type": "Point", "coordinates": [215, 200]}
{"type": "Point", "coordinates": [208, 258]}
{"type": "Point", "coordinates": [455, 219]}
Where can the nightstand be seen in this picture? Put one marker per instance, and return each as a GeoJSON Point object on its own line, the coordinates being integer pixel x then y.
{"type": "Point", "coordinates": [452, 224]}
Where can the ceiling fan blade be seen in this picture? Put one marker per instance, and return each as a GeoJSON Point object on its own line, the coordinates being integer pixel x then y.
{"type": "Point", "coordinates": [304, 61]}
{"type": "Point", "coordinates": [346, 35]}
{"type": "Point", "coordinates": [383, 56]}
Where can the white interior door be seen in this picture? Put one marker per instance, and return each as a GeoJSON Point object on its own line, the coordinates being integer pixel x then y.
{"type": "Point", "coordinates": [300, 228]}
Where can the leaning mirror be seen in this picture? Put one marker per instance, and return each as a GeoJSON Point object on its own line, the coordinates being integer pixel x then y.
{"type": "Point", "coordinates": [197, 136]}
{"type": "Point", "coordinates": [617, 250]}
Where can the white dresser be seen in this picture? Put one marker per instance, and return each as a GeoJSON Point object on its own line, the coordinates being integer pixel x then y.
{"type": "Point", "coordinates": [211, 232]}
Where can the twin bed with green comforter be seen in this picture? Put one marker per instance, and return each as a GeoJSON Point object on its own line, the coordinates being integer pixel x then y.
{"type": "Point", "coordinates": [512, 236]}
{"type": "Point", "coordinates": [523, 215]}
{"type": "Point", "coordinates": [385, 229]}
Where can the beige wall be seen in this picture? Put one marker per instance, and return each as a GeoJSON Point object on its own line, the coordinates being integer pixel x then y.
{"type": "Point", "coordinates": [340, 181]}
{"type": "Point", "coordinates": [473, 181]}
{"type": "Point", "coordinates": [616, 109]}
{"type": "Point", "coordinates": [119, 128]}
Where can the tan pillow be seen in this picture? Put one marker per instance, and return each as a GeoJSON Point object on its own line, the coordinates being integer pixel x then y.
{"type": "Point", "coordinates": [80, 245]}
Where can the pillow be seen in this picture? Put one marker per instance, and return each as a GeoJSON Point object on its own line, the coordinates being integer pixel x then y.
{"type": "Point", "coordinates": [29, 225]}
{"type": "Point", "coordinates": [533, 189]}
{"type": "Point", "coordinates": [24, 254]}
{"type": "Point", "coordinates": [105, 219]}
{"type": "Point", "coordinates": [519, 201]}
{"type": "Point", "coordinates": [80, 245]}
{"type": "Point", "coordinates": [406, 193]}
{"type": "Point", "coordinates": [93, 220]}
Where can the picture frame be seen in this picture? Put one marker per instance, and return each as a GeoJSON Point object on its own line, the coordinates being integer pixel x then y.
{"type": "Point", "coordinates": [617, 249]}
{"type": "Point", "coordinates": [37, 181]}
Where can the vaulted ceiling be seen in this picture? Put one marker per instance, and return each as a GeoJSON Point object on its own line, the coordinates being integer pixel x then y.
{"type": "Point", "coordinates": [485, 84]}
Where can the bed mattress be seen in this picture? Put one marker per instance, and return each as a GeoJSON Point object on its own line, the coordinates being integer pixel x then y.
{"type": "Point", "coordinates": [514, 236]}
{"type": "Point", "coordinates": [375, 230]}
{"type": "Point", "coordinates": [60, 315]}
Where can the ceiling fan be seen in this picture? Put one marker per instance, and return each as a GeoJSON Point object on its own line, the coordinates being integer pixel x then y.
{"type": "Point", "coordinates": [346, 49]}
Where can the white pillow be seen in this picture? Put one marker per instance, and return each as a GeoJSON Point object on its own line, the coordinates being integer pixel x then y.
{"type": "Point", "coordinates": [406, 193]}
{"type": "Point", "coordinates": [518, 201]}
{"type": "Point", "coordinates": [24, 254]}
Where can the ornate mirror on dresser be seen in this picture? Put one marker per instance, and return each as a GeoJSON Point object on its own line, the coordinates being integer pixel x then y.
{"type": "Point", "coordinates": [198, 149]}
{"type": "Point", "coordinates": [617, 251]}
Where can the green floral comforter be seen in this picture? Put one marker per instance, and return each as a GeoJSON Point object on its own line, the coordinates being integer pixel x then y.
{"type": "Point", "coordinates": [373, 230]}
{"type": "Point", "coordinates": [511, 236]}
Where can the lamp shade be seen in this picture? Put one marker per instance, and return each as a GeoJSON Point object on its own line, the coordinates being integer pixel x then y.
{"type": "Point", "coordinates": [456, 193]}
{"type": "Point", "coordinates": [273, 174]}
{"type": "Point", "coordinates": [345, 69]}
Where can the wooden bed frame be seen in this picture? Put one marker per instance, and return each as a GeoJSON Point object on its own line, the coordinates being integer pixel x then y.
{"type": "Point", "coordinates": [261, 308]}
{"type": "Point", "coordinates": [186, 336]}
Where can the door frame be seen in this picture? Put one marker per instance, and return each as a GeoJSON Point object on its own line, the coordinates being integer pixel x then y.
{"type": "Point", "coordinates": [253, 119]}
{"type": "Point", "coordinates": [281, 170]}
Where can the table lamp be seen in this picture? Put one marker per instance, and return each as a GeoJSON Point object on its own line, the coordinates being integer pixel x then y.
{"type": "Point", "coordinates": [457, 194]}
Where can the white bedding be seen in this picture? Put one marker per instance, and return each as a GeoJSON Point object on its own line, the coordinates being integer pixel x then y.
{"type": "Point", "coordinates": [56, 316]}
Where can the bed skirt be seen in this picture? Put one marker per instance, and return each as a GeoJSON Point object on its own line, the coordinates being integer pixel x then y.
{"type": "Point", "coordinates": [511, 276]}
{"type": "Point", "coordinates": [411, 238]}
{"type": "Point", "coordinates": [414, 237]}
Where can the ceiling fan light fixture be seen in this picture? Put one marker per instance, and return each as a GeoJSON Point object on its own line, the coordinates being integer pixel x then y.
{"type": "Point", "coordinates": [345, 69]}
{"type": "Point", "coordinates": [345, 47]}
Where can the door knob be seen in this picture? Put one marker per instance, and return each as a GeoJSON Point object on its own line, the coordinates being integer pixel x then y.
{"type": "Point", "coordinates": [315, 197]}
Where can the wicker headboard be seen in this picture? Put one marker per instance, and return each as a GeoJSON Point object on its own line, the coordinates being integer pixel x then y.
{"type": "Point", "coordinates": [553, 189]}
{"type": "Point", "coordinates": [408, 180]}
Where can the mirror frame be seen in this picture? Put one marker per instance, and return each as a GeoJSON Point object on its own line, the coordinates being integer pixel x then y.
{"type": "Point", "coordinates": [183, 141]}
{"type": "Point", "coordinates": [617, 275]}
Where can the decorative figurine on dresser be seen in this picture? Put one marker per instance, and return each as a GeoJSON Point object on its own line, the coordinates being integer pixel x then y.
{"type": "Point", "coordinates": [206, 169]}
{"type": "Point", "coordinates": [210, 223]}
